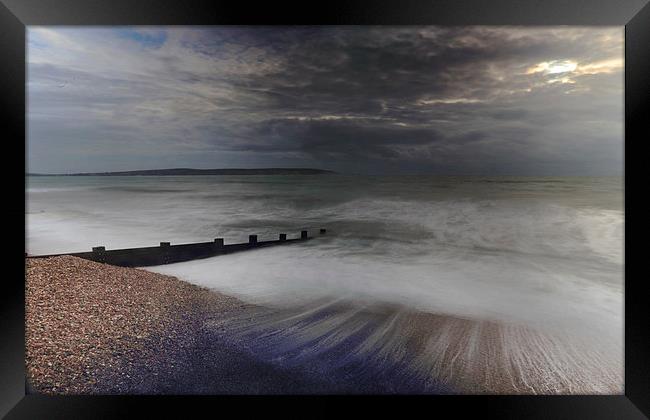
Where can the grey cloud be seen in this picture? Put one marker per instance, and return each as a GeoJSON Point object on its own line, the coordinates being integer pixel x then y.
{"type": "Point", "coordinates": [345, 138]}
{"type": "Point", "coordinates": [403, 98]}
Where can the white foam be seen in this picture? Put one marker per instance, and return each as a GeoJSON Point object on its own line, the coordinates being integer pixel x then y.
{"type": "Point", "coordinates": [536, 260]}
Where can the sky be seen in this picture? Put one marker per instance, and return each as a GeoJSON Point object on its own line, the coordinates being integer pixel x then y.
{"type": "Point", "coordinates": [470, 100]}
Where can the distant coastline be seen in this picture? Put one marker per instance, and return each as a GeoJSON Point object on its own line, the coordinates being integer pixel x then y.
{"type": "Point", "coordinates": [191, 171]}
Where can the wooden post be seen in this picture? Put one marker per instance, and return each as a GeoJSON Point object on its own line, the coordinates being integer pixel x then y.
{"type": "Point", "coordinates": [252, 239]}
{"type": "Point", "coordinates": [303, 234]}
{"type": "Point", "coordinates": [283, 237]}
{"type": "Point", "coordinates": [99, 254]}
{"type": "Point", "coordinates": [219, 242]}
{"type": "Point", "coordinates": [322, 231]}
{"type": "Point", "coordinates": [165, 253]}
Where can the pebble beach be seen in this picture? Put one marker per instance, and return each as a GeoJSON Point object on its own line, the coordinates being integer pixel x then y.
{"type": "Point", "coordinates": [96, 328]}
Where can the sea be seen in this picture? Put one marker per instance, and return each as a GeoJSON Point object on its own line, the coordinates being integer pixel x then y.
{"type": "Point", "coordinates": [517, 281]}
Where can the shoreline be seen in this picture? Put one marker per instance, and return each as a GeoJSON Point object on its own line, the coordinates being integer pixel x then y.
{"type": "Point", "coordinates": [97, 329]}
{"type": "Point", "coordinates": [93, 328]}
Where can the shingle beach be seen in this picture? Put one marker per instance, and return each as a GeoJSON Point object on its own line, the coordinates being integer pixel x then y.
{"type": "Point", "coordinates": [89, 324]}
{"type": "Point", "coordinates": [94, 329]}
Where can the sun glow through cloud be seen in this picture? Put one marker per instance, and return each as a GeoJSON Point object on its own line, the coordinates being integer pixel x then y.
{"type": "Point", "coordinates": [553, 67]}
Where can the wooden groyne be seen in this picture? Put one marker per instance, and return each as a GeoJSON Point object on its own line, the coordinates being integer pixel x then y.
{"type": "Point", "coordinates": [166, 253]}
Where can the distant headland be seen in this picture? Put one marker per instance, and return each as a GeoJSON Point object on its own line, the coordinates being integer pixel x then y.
{"type": "Point", "coordinates": [191, 171]}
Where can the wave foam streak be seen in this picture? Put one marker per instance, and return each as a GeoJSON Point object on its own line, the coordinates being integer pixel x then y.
{"type": "Point", "coordinates": [403, 351]}
{"type": "Point", "coordinates": [528, 272]}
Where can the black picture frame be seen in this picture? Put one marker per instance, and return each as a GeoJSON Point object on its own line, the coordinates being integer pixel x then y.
{"type": "Point", "coordinates": [15, 15]}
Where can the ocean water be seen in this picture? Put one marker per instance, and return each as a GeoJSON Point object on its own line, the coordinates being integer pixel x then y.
{"type": "Point", "coordinates": [541, 258]}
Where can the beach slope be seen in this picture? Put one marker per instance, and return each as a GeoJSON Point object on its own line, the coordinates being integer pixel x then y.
{"type": "Point", "coordinates": [98, 329]}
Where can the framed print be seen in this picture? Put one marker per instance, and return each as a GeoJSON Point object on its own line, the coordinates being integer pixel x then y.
{"type": "Point", "coordinates": [417, 203]}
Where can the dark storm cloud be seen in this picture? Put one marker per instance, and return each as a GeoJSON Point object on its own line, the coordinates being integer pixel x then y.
{"type": "Point", "coordinates": [342, 138]}
{"type": "Point", "coordinates": [432, 99]}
